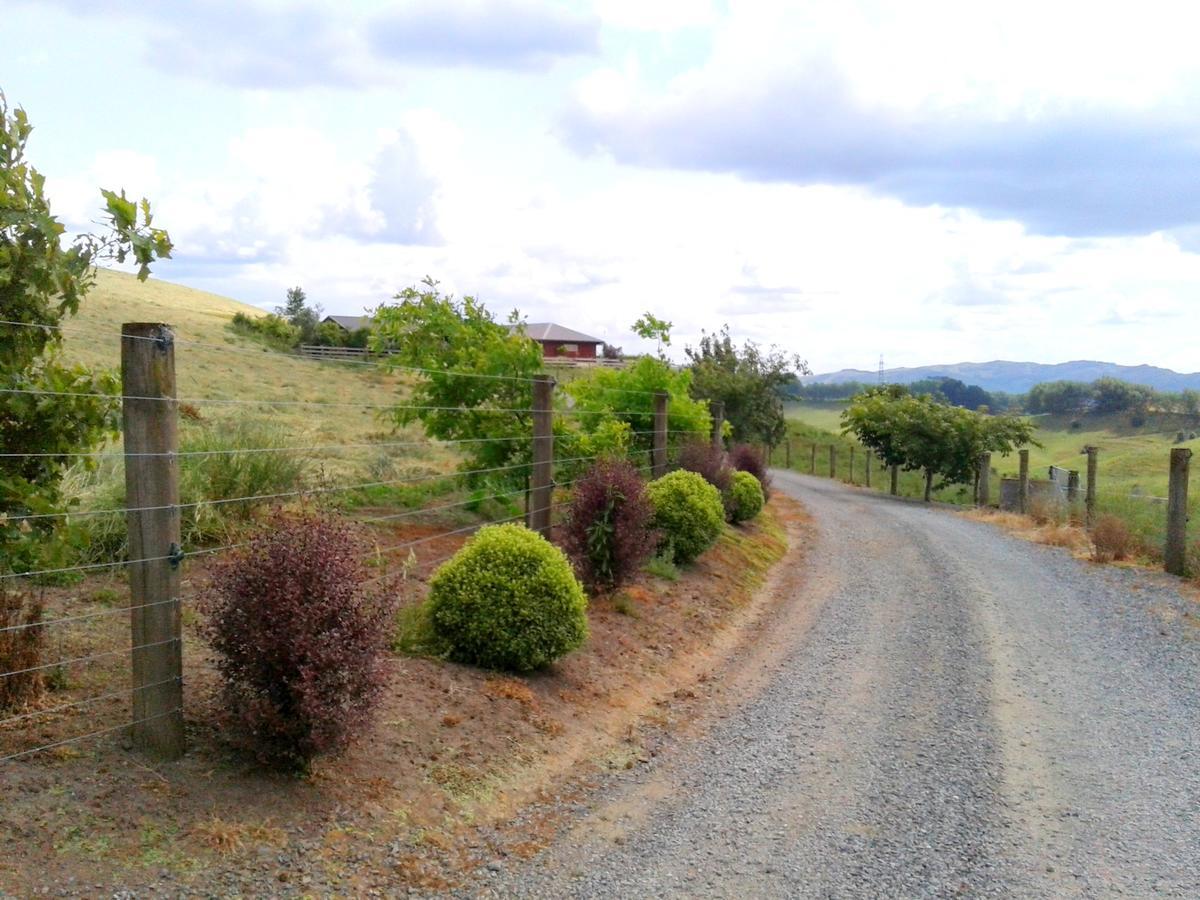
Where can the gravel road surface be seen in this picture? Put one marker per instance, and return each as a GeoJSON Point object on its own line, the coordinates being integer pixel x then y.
{"type": "Point", "coordinates": [961, 714]}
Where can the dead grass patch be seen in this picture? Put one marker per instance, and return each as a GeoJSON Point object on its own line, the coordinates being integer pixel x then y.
{"type": "Point", "coordinates": [224, 838]}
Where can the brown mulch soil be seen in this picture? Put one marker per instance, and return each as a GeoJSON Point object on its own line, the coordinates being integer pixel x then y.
{"type": "Point", "coordinates": [421, 801]}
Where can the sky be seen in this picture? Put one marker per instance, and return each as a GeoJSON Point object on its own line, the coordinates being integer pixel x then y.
{"type": "Point", "coordinates": [930, 182]}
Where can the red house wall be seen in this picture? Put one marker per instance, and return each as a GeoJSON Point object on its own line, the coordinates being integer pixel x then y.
{"type": "Point", "coordinates": [554, 348]}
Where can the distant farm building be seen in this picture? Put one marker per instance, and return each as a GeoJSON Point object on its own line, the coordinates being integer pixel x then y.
{"type": "Point", "coordinates": [561, 342]}
{"type": "Point", "coordinates": [349, 324]}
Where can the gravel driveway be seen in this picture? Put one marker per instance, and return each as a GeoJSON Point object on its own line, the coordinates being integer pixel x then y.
{"type": "Point", "coordinates": [963, 713]}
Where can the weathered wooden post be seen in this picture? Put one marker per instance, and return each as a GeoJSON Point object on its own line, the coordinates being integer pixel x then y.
{"type": "Point", "coordinates": [895, 480]}
{"type": "Point", "coordinates": [832, 461]}
{"type": "Point", "coordinates": [813, 462]}
{"type": "Point", "coordinates": [869, 461]}
{"type": "Point", "coordinates": [541, 492]}
{"type": "Point", "coordinates": [1177, 508]}
{"type": "Point", "coordinates": [658, 453]}
{"type": "Point", "coordinates": [150, 419]}
{"type": "Point", "coordinates": [787, 453]}
{"type": "Point", "coordinates": [1089, 501]}
{"type": "Point", "coordinates": [717, 411]}
{"type": "Point", "coordinates": [1072, 487]}
{"type": "Point", "coordinates": [852, 464]}
{"type": "Point", "coordinates": [985, 479]}
{"type": "Point", "coordinates": [1023, 483]}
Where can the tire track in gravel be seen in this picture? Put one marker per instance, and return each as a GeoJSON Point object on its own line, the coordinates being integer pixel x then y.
{"type": "Point", "coordinates": [956, 713]}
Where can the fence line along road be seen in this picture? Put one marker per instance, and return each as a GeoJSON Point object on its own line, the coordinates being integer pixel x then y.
{"type": "Point", "coordinates": [1178, 558]}
{"type": "Point", "coordinates": [156, 557]}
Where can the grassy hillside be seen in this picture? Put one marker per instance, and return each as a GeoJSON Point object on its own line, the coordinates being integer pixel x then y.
{"type": "Point", "coordinates": [278, 400]}
{"type": "Point", "coordinates": [240, 370]}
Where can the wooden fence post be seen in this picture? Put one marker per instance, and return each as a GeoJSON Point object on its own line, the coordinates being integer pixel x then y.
{"type": "Point", "coordinates": [869, 461]}
{"type": "Point", "coordinates": [1023, 483]}
{"type": "Point", "coordinates": [895, 480]}
{"type": "Point", "coordinates": [541, 492]}
{"type": "Point", "coordinates": [150, 420]}
{"type": "Point", "coordinates": [812, 470]}
{"type": "Point", "coordinates": [1089, 501]}
{"type": "Point", "coordinates": [985, 479]}
{"type": "Point", "coordinates": [658, 455]}
{"type": "Point", "coordinates": [852, 464]}
{"type": "Point", "coordinates": [717, 410]}
{"type": "Point", "coordinates": [1177, 512]}
{"type": "Point", "coordinates": [832, 461]}
{"type": "Point", "coordinates": [1072, 487]}
{"type": "Point", "coordinates": [787, 453]}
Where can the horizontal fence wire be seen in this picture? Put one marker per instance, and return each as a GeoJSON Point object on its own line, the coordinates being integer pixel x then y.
{"type": "Point", "coordinates": [307, 450]}
{"type": "Point", "coordinates": [91, 734]}
{"type": "Point", "coordinates": [64, 620]}
{"type": "Point", "coordinates": [87, 701]}
{"type": "Point", "coordinates": [395, 482]}
{"type": "Point", "coordinates": [83, 617]}
{"type": "Point", "coordinates": [89, 658]}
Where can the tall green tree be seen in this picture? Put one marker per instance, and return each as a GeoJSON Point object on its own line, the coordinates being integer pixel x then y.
{"type": "Point", "coordinates": [44, 276]}
{"type": "Point", "coordinates": [750, 382]}
{"type": "Point", "coordinates": [305, 318]}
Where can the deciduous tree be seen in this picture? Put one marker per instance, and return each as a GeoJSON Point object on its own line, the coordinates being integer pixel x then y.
{"type": "Point", "coordinates": [52, 409]}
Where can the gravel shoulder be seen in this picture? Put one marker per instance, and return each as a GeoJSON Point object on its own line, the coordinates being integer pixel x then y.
{"type": "Point", "coordinates": [941, 710]}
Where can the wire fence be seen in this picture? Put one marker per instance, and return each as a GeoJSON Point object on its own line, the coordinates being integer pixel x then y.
{"type": "Point", "coordinates": [1162, 518]}
{"type": "Point", "coordinates": [75, 615]}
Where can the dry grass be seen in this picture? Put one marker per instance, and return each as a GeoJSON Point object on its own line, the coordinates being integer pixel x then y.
{"type": "Point", "coordinates": [1050, 533]}
{"type": "Point", "coordinates": [225, 838]}
{"type": "Point", "coordinates": [1110, 539]}
{"type": "Point", "coordinates": [236, 367]}
{"type": "Point", "coordinates": [1068, 536]}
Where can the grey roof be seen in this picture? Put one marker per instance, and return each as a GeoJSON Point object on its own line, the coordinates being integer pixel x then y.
{"type": "Point", "coordinates": [548, 331]}
{"type": "Point", "coordinates": [350, 323]}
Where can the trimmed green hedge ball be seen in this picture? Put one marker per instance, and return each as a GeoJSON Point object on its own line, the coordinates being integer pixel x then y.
{"type": "Point", "coordinates": [688, 511]}
{"type": "Point", "coordinates": [508, 600]}
{"type": "Point", "coordinates": [745, 497]}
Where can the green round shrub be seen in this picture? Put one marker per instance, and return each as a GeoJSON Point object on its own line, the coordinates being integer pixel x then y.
{"type": "Point", "coordinates": [745, 497]}
{"type": "Point", "coordinates": [508, 600]}
{"type": "Point", "coordinates": [688, 511]}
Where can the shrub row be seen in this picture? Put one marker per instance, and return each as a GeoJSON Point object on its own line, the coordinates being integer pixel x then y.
{"type": "Point", "coordinates": [300, 628]}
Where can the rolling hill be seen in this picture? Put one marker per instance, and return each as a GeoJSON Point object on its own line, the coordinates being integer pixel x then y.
{"type": "Point", "coordinates": [213, 362]}
{"type": "Point", "coordinates": [1018, 377]}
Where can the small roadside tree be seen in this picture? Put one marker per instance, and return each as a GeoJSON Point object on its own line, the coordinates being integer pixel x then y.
{"type": "Point", "coordinates": [750, 382]}
{"type": "Point", "coordinates": [919, 433]}
{"type": "Point", "coordinates": [651, 328]}
{"type": "Point", "coordinates": [475, 384]}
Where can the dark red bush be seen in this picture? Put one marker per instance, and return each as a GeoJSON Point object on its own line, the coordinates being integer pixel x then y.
{"type": "Point", "coordinates": [607, 531]}
{"type": "Point", "coordinates": [708, 462]}
{"type": "Point", "coordinates": [748, 458]}
{"type": "Point", "coordinates": [300, 638]}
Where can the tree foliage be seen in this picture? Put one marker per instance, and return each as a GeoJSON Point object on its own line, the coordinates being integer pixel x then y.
{"type": "Point", "coordinates": [651, 328]}
{"type": "Point", "coordinates": [43, 278]}
{"type": "Point", "coordinates": [476, 380]}
{"type": "Point", "coordinates": [604, 396]}
{"type": "Point", "coordinates": [749, 381]}
{"type": "Point", "coordinates": [922, 433]}
{"type": "Point", "coordinates": [305, 319]}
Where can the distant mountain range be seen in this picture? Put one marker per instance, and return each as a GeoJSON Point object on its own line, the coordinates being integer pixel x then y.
{"type": "Point", "coordinates": [1018, 377]}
